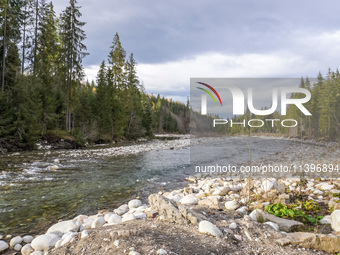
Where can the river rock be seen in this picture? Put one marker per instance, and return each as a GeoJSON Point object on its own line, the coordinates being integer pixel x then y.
{"type": "Point", "coordinates": [326, 220]}
{"type": "Point", "coordinates": [107, 216]}
{"type": "Point", "coordinates": [54, 167]}
{"type": "Point", "coordinates": [15, 240]}
{"type": "Point", "coordinates": [65, 226]}
{"type": "Point", "coordinates": [335, 220]}
{"type": "Point", "coordinates": [232, 205]}
{"type": "Point", "coordinates": [170, 211]}
{"type": "Point", "coordinates": [81, 218]}
{"type": "Point", "coordinates": [161, 252]}
{"type": "Point", "coordinates": [325, 186]}
{"type": "Point", "coordinates": [257, 215]}
{"type": "Point", "coordinates": [242, 210]}
{"type": "Point", "coordinates": [134, 253]}
{"type": "Point", "coordinates": [285, 224]}
{"type": "Point", "coordinates": [84, 234]}
{"type": "Point", "coordinates": [17, 247]}
{"type": "Point", "coordinates": [128, 217]}
{"type": "Point", "coordinates": [139, 215]}
{"type": "Point", "coordinates": [114, 219]}
{"type": "Point", "coordinates": [121, 209]}
{"type": "Point", "coordinates": [134, 203]}
{"type": "Point", "coordinates": [98, 223]}
{"type": "Point", "coordinates": [26, 249]}
{"type": "Point", "coordinates": [273, 225]}
{"type": "Point", "coordinates": [67, 237]}
{"type": "Point", "coordinates": [221, 191]}
{"type": "Point", "coordinates": [3, 246]}
{"type": "Point", "coordinates": [43, 242]}
{"type": "Point", "coordinates": [189, 200]}
{"type": "Point", "coordinates": [86, 225]}
{"type": "Point", "coordinates": [207, 227]}
{"type": "Point", "coordinates": [37, 253]}
{"type": "Point", "coordinates": [268, 185]}
{"type": "Point", "coordinates": [27, 238]}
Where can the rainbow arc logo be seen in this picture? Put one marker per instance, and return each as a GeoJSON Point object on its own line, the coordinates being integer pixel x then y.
{"type": "Point", "coordinates": [209, 93]}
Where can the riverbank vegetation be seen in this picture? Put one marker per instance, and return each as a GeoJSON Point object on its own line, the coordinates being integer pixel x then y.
{"type": "Point", "coordinates": [43, 93]}
{"type": "Point", "coordinates": [324, 105]}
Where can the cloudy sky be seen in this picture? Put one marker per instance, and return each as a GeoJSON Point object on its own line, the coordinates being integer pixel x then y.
{"type": "Point", "coordinates": [175, 40]}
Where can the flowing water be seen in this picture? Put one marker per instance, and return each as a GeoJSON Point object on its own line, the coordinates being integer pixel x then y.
{"type": "Point", "coordinates": [32, 196]}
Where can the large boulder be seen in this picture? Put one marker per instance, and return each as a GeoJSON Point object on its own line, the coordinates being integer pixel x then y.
{"type": "Point", "coordinates": [65, 226]}
{"type": "Point", "coordinates": [44, 242]}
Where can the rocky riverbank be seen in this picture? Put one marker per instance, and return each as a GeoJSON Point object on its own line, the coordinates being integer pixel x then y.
{"type": "Point", "coordinates": [212, 215]}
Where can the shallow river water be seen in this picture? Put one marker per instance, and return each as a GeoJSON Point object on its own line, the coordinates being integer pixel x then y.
{"type": "Point", "coordinates": [32, 196]}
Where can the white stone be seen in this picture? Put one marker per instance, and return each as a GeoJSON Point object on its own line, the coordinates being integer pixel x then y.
{"type": "Point", "coordinates": [3, 246]}
{"type": "Point", "coordinates": [189, 200]}
{"type": "Point", "coordinates": [15, 240]}
{"type": "Point", "coordinates": [238, 237]}
{"type": "Point", "coordinates": [114, 219]}
{"type": "Point", "coordinates": [37, 253]}
{"type": "Point", "coordinates": [325, 186]}
{"type": "Point", "coordinates": [17, 247]}
{"type": "Point", "coordinates": [139, 215]}
{"type": "Point", "coordinates": [26, 249]}
{"type": "Point", "coordinates": [257, 215]}
{"type": "Point", "coordinates": [128, 217]}
{"type": "Point", "coordinates": [209, 228]}
{"type": "Point", "coordinates": [232, 205]}
{"type": "Point", "coordinates": [242, 210]}
{"type": "Point", "coordinates": [107, 216]}
{"type": "Point", "coordinates": [134, 203]}
{"type": "Point", "coordinates": [221, 191]}
{"type": "Point", "coordinates": [84, 234]}
{"type": "Point", "coordinates": [273, 225]}
{"type": "Point", "coordinates": [116, 243]}
{"type": "Point", "coordinates": [134, 253]}
{"type": "Point", "coordinates": [233, 225]}
{"type": "Point", "coordinates": [98, 223]}
{"type": "Point", "coordinates": [175, 198]}
{"type": "Point", "coordinates": [161, 252]}
{"type": "Point", "coordinates": [65, 226]}
{"type": "Point", "coordinates": [43, 242]}
{"type": "Point", "coordinates": [317, 191]}
{"type": "Point", "coordinates": [326, 220]}
{"type": "Point", "coordinates": [87, 224]}
{"type": "Point", "coordinates": [335, 220]}
{"type": "Point", "coordinates": [67, 237]}
{"type": "Point", "coordinates": [27, 238]}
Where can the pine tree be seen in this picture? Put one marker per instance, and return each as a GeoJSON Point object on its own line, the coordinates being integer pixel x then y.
{"type": "Point", "coordinates": [73, 51]}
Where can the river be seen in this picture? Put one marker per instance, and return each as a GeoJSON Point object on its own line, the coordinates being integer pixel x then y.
{"type": "Point", "coordinates": [32, 196]}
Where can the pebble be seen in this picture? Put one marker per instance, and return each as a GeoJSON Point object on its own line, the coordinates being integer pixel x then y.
{"type": "Point", "coordinates": [17, 247]}
{"type": "Point", "coordinates": [116, 243]}
{"type": "Point", "coordinates": [98, 223]}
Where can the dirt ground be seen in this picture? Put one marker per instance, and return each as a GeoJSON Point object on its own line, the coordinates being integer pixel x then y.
{"type": "Point", "coordinates": [147, 236]}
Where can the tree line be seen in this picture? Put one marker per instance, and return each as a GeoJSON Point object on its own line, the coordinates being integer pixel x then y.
{"type": "Point", "coordinates": [43, 92]}
{"type": "Point", "coordinates": [324, 105]}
